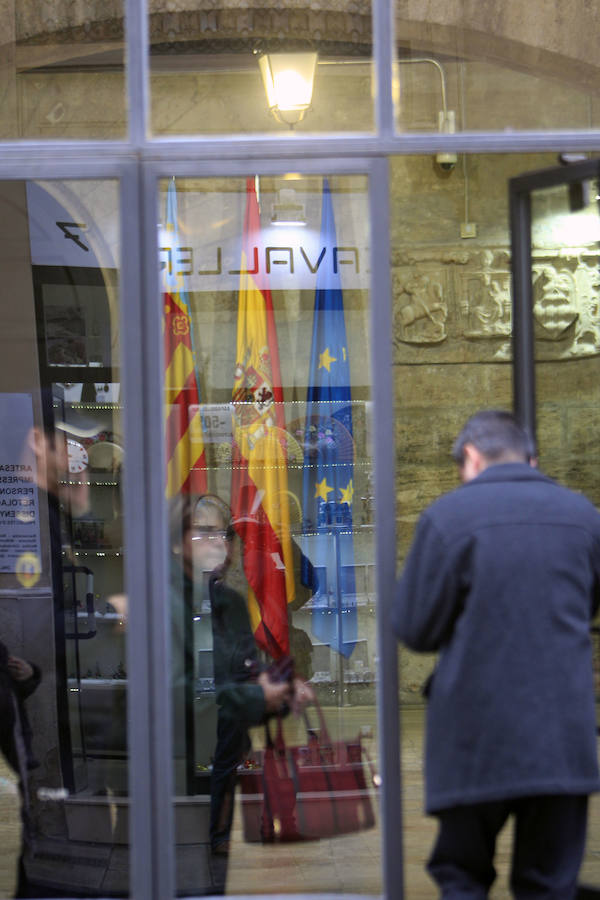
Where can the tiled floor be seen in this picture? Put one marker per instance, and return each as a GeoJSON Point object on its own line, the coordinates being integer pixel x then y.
{"type": "Point", "coordinates": [352, 864]}
{"type": "Point", "coordinates": [348, 864]}
{"type": "Point", "coordinates": [10, 829]}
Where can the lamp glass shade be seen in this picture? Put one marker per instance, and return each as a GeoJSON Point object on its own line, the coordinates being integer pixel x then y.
{"type": "Point", "coordinates": [288, 79]}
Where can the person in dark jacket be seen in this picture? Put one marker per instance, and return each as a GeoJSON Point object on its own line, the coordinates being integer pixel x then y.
{"type": "Point", "coordinates": [246, 692]}
{"type": "Point", "coordinates": [502, 579]}
{"type": "Point", "coordinates": [18, 680]}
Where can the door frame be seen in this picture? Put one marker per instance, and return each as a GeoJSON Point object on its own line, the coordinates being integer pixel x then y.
{"type": "Point", "coordinates": [524, 396]}
{"type": "Point", "coordinates": [520, 189]}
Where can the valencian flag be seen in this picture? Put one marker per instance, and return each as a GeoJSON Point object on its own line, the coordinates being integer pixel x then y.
{"type": "Point", "coordinates": [186, 459]}
{"type": "Point", "coordinates": [259, 491]}
{"type": "Point", "coordinates": [328, 480]}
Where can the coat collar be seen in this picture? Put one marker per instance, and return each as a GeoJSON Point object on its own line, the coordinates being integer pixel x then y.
{"type": "Point", "coordinates": [513, 471]}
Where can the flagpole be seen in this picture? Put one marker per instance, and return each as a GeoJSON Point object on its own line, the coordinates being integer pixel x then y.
{"type": "Point", "coordinates": [338, 609]}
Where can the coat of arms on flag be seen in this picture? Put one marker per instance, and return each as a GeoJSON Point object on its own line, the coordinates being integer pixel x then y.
{"type": "Point", "coordinates": [259, 494]}
{"type": "Point", "coordinates": [186, 460]}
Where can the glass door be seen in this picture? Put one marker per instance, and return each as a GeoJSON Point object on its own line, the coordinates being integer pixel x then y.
{"type": "Point", "coordinates": [63, 611]}
{"type": "Point", "coordinates": [79, 365]}
{"type": "Point", "coordinates": [556, 293]}
{"type": "Point", "coordinates": [265, 298]}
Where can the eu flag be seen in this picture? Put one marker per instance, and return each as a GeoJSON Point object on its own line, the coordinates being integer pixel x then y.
{"type": "Point", "coordinates": [328, 480]}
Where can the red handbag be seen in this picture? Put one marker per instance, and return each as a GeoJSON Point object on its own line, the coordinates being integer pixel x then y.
{"type": "Point", "coordinates": [308, 792]}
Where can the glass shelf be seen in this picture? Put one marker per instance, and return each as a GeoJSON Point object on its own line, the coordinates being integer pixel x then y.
{"type": "Point", "coordinates": [90, 404]}
{"type": "Point", "coordinates": [109, 552]}
{"type": "Point", "coordinates": [103, 617]}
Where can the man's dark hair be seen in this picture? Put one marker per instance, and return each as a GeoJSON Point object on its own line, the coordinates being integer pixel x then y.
{"type": "Point", "coordinates": [497, 435]}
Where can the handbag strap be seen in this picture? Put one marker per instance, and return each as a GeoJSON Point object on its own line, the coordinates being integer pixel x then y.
{"type": "Point", "coordinates": [375, 777]}
{"type": "Point", "coordinates": [324, 737]}
{"type": "Point", "coordinates": [279, 742]}
{"type": "Point", "coordinates": [325, 740]}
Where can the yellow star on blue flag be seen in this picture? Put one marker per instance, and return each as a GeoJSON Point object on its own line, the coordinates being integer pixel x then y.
{"type": "Point", "coordinates": [327, 565]}
{"type": "Point", "coordinates": [325, 359]}
{"type": "Point", "coordinates": [322, 489]}
{"type": "Point", "coordinates": [347, 493]}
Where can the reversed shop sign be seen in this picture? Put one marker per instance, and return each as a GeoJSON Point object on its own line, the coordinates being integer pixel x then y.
{"type": "Point", "coordinates": [76, 224]}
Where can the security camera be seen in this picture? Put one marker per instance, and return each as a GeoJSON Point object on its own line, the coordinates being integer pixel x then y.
{"type": "Point", "coordinates": [446, 161]}
{"type": "Point", "coordinates": [446, 125]}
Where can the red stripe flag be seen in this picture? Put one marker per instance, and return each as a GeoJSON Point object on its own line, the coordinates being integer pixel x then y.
{"type": "Point", "coordinates": [186, 458]}
{"type": "Point", "coordinates": [259, 492]}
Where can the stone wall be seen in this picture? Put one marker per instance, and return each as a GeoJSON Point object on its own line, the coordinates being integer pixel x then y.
{"type": "Point", "coordinates": [452, 327]}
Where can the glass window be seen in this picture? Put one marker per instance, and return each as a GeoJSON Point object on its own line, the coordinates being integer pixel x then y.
{"type": "Point", "coordinates": [276, 68]}
{"type": "Point", "coordinates": [462, 69]}
{"type": "Point", "coordinates": [565, 244]}
{"type": "Point", "coordinates": [452, 327]}
{"type": "Point", "coordinates": [62, 607]}
{"type": "Point", "coordinates": [62, 72]}
{"type": "Point", "coordinates": [565, 240]}
{"type": "Point", "coordinates": [269, 450]}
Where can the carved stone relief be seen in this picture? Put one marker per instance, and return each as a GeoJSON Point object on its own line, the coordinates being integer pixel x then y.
{"type": "Point", "coordinates": [421, 310]}
{"type": "Point", "coordinates": [486, 307]}
{"type": "Point", "coordinates": [484, 300]}
{"type": "Point", "coordinates": [452, 305]}
{"type": "Point", "coordinates": [554, 302]}
{"type": "Point", "coordinates": [566, 295]}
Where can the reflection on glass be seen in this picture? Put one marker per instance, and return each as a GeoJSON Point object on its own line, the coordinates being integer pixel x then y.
{"type": "Point", "coordinates": [63, 70]}
{"type": "Point", "coordinates": [206, 68]}
{"type": "Point", "coordinates": [460, 69]}
{"type": "Point", "coordinates": [565, 247]}
{"type": "Point", "coordinates": [63, 610]}
{"type": "Point", "coordinates": [452, 354]}
{"type": "Point", "coordinates": [269, 484]}
{"type": "Point", "coordinates": [565, 239]}
{"type": "Point", "coordinates": [452, 322]}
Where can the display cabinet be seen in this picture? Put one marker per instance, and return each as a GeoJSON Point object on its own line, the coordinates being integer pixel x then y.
{"type": "Point", "coordinates": [82, 420]}
{"type": "Point", "coordinates": [94, 601]}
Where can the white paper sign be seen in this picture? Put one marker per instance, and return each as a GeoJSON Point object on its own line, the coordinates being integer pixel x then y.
{"type": "Point", "coordinates": [19, 513]}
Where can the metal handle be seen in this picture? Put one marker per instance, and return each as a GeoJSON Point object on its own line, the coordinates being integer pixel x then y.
{"type": "Point", "coordinates": [89, 604]}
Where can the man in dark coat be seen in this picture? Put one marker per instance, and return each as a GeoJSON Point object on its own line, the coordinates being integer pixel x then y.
{"type": "Point", "coordinates": [502, 579]}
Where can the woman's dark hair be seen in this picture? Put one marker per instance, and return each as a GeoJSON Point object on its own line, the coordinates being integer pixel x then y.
{"type": "Point", "coordinates": [213, 501]}
{"type": "Point", "coordinates": [185, 507]}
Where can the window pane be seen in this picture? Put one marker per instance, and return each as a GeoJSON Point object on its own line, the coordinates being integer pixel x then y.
{"type": "Point", "coordinates": [62, 72]}
{"type": "Point", "coordinates": [206, 79]}
{"type": "Point", "coordinates": [452, 326]}
{"type": "Point", "coordinates": [62, 606]}
{"type": "Point", "coordinates": [565, 238]}
{"type": "Point", "coordinates": [269, 447]}
{"type": "Point", "coordinates": [462, 68]}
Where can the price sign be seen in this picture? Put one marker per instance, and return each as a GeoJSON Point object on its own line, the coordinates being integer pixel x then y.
{"type": "Point", "coordinates": [216, 422]}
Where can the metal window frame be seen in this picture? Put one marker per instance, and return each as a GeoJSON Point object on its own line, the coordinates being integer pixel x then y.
{"type": "Point", "coordinates": [138, 161]}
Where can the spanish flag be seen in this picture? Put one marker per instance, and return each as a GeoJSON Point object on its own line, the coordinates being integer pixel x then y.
{"type": "Point", "coordinates": [186, 459]}
{"type": "Point", "coordinates": [259, 491]}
